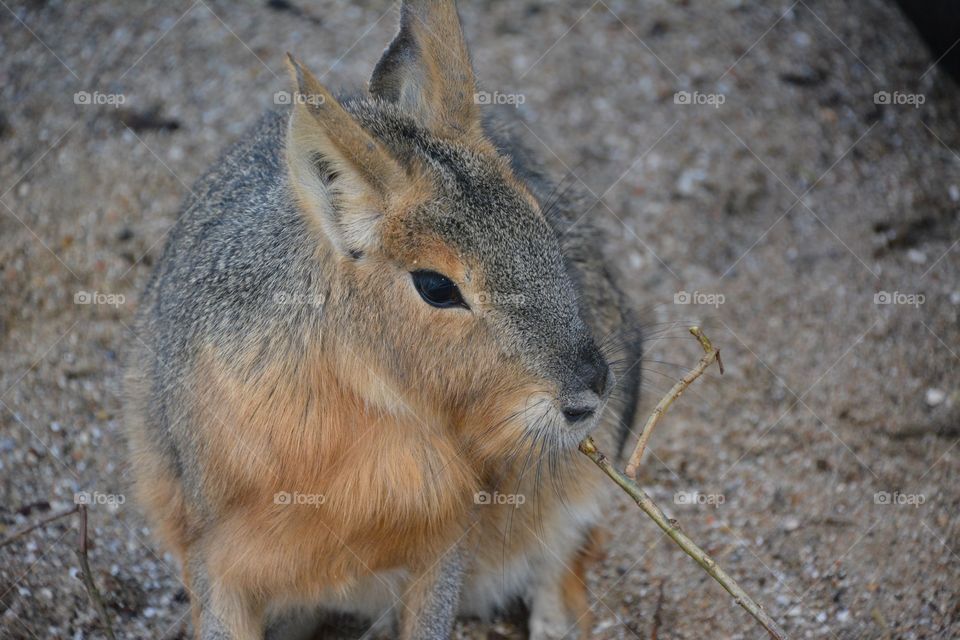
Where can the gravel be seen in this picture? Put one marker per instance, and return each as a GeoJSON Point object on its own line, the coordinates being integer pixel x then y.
{"type": "Point", "coordinates": [746, 157]}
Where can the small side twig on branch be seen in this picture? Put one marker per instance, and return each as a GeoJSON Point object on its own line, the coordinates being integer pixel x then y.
{"type": "Point", "coordinates": [671, 527]}
{"type": "Point", "coordinates": [56, 515]}
{"type": "Point", "coordinates": [710, 354]}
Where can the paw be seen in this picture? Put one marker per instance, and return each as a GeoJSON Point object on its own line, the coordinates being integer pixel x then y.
{"type": "Point", "coordinates": [551, 625]}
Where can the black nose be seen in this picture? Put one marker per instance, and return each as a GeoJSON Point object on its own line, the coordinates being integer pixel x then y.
{"type": "Point", "coordinates": [586, 386]}
{"type": "Point", "coordinates": [593, 374]}
{"type": "Point", "coordinates": [581, 408]}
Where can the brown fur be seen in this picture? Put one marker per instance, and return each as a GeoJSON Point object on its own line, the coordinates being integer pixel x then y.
{"type": "Point", "coordinates": [395, 499]}
{"type": "Point", "coordinates": [390, 413]}
{"type": "Point", "coordinates": [574, 583]}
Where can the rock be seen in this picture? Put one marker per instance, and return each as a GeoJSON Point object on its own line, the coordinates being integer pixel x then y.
{"type": "Point", "coordinates": [935, 397]}
{"type": "Point", "coordinates": [689, 180]}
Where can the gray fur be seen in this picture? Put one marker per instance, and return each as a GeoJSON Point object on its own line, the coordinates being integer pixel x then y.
{"type": "Point", "coordinates": [241, 240]}
{"type": "Point", "coordinates": [438, 598]}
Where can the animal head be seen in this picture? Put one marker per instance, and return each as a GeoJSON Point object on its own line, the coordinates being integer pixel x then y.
{"type": "Point", "coordinates": [450, 292]}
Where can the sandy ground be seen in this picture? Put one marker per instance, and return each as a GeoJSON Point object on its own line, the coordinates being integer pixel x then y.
{"type": "Point", "coordinates": [790, 214]}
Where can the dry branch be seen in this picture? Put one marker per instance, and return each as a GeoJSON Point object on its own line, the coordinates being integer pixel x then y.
{"type": "Point", "coordinates": [85, 571]}
{"type": "Point", "coordinates": [56, 515]}
{"type": "Point", "coordinates": [669, 525]}
{"type": "Point", "coordinates": [88, 581]}
{"type": "Point", "coordinates": [710, 354]}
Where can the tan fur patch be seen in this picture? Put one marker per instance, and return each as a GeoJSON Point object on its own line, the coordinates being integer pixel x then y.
{"type": "Point", "coordinates": [574, 584]}
{"type": "Point", "coordinates": [380, 489]}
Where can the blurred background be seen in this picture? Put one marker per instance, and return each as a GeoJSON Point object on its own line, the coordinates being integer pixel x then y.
{"type": "Point", "coordinates": [785, 173]}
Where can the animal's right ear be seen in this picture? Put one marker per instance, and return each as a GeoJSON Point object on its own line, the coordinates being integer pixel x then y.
{"type": "Point", "coordinates": [341, 176]}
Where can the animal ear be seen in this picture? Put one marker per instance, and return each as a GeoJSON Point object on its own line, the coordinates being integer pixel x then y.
{"type": "Point", "coordinates": [427, 70]}
{"type": "Point", "coordinates": [340, 174]}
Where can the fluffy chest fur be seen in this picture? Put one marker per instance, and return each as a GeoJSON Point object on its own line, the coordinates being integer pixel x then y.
{"type": "Point", "coordinates": [319, 485]}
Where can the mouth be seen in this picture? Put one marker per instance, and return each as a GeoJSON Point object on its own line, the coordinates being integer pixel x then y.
{"type": "Point", "coordinates": [573, 433]}
{"type": "Point", "coordinates": [555, 428]}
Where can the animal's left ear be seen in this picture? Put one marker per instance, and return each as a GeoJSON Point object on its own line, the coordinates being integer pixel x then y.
{"type": "Point", "coordinates": [427, 70]}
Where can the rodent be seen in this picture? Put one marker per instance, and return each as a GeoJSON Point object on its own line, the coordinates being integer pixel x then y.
{"type": "Point", "coordinates": [363, 363]}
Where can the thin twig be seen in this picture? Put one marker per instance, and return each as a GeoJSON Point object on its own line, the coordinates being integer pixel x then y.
{"type": "Point", "coordinates": [655, 625]}
{"type": "Point", "coordinates": [88, 581]}
{"type": "Point", "coordinates": [710, 355]}
{"type": "Point", "coordinates": [50, 518]}
{"type": "Point", "coordinates": [672, 529]}
{"type": "Point", "coordinates": [626, 482]}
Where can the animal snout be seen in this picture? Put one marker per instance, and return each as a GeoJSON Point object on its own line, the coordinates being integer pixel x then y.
{"type": "Point", "coordinates": [594, 374]}
{"type": "Point", "coordinates": [582, 407]}
{"type": "Point", "coordinates": [592, 379]}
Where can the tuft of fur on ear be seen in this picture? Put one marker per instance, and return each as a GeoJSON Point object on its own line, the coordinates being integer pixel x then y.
{"type": "Point", "coordinates": [427, 70]}
{"type": "Point", "coordinates": [342, 177]}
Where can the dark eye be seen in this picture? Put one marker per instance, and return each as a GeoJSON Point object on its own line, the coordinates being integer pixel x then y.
{"type": "Point", "coordinates": [437, 290]}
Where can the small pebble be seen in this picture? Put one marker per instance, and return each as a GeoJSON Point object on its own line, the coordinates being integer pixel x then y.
{"type": "Point", "coordinates": [603, 625]}
{"type": "Point", "coordinates": [935, 397]}
{"type": "Point", "coordinates": [801, 39]}
{"type": "Point", "coordinates": [916, 256]}
{"type": "Point", "coordinates": [689, 179]}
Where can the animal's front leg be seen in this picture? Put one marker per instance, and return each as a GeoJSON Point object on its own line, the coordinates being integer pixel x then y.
{"type": "Point", "coordinates": [222, 612]}
{"type": "Point", "coordinates": [430, 603]}
{"type": "Point", "coordinates": [559, 596]}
